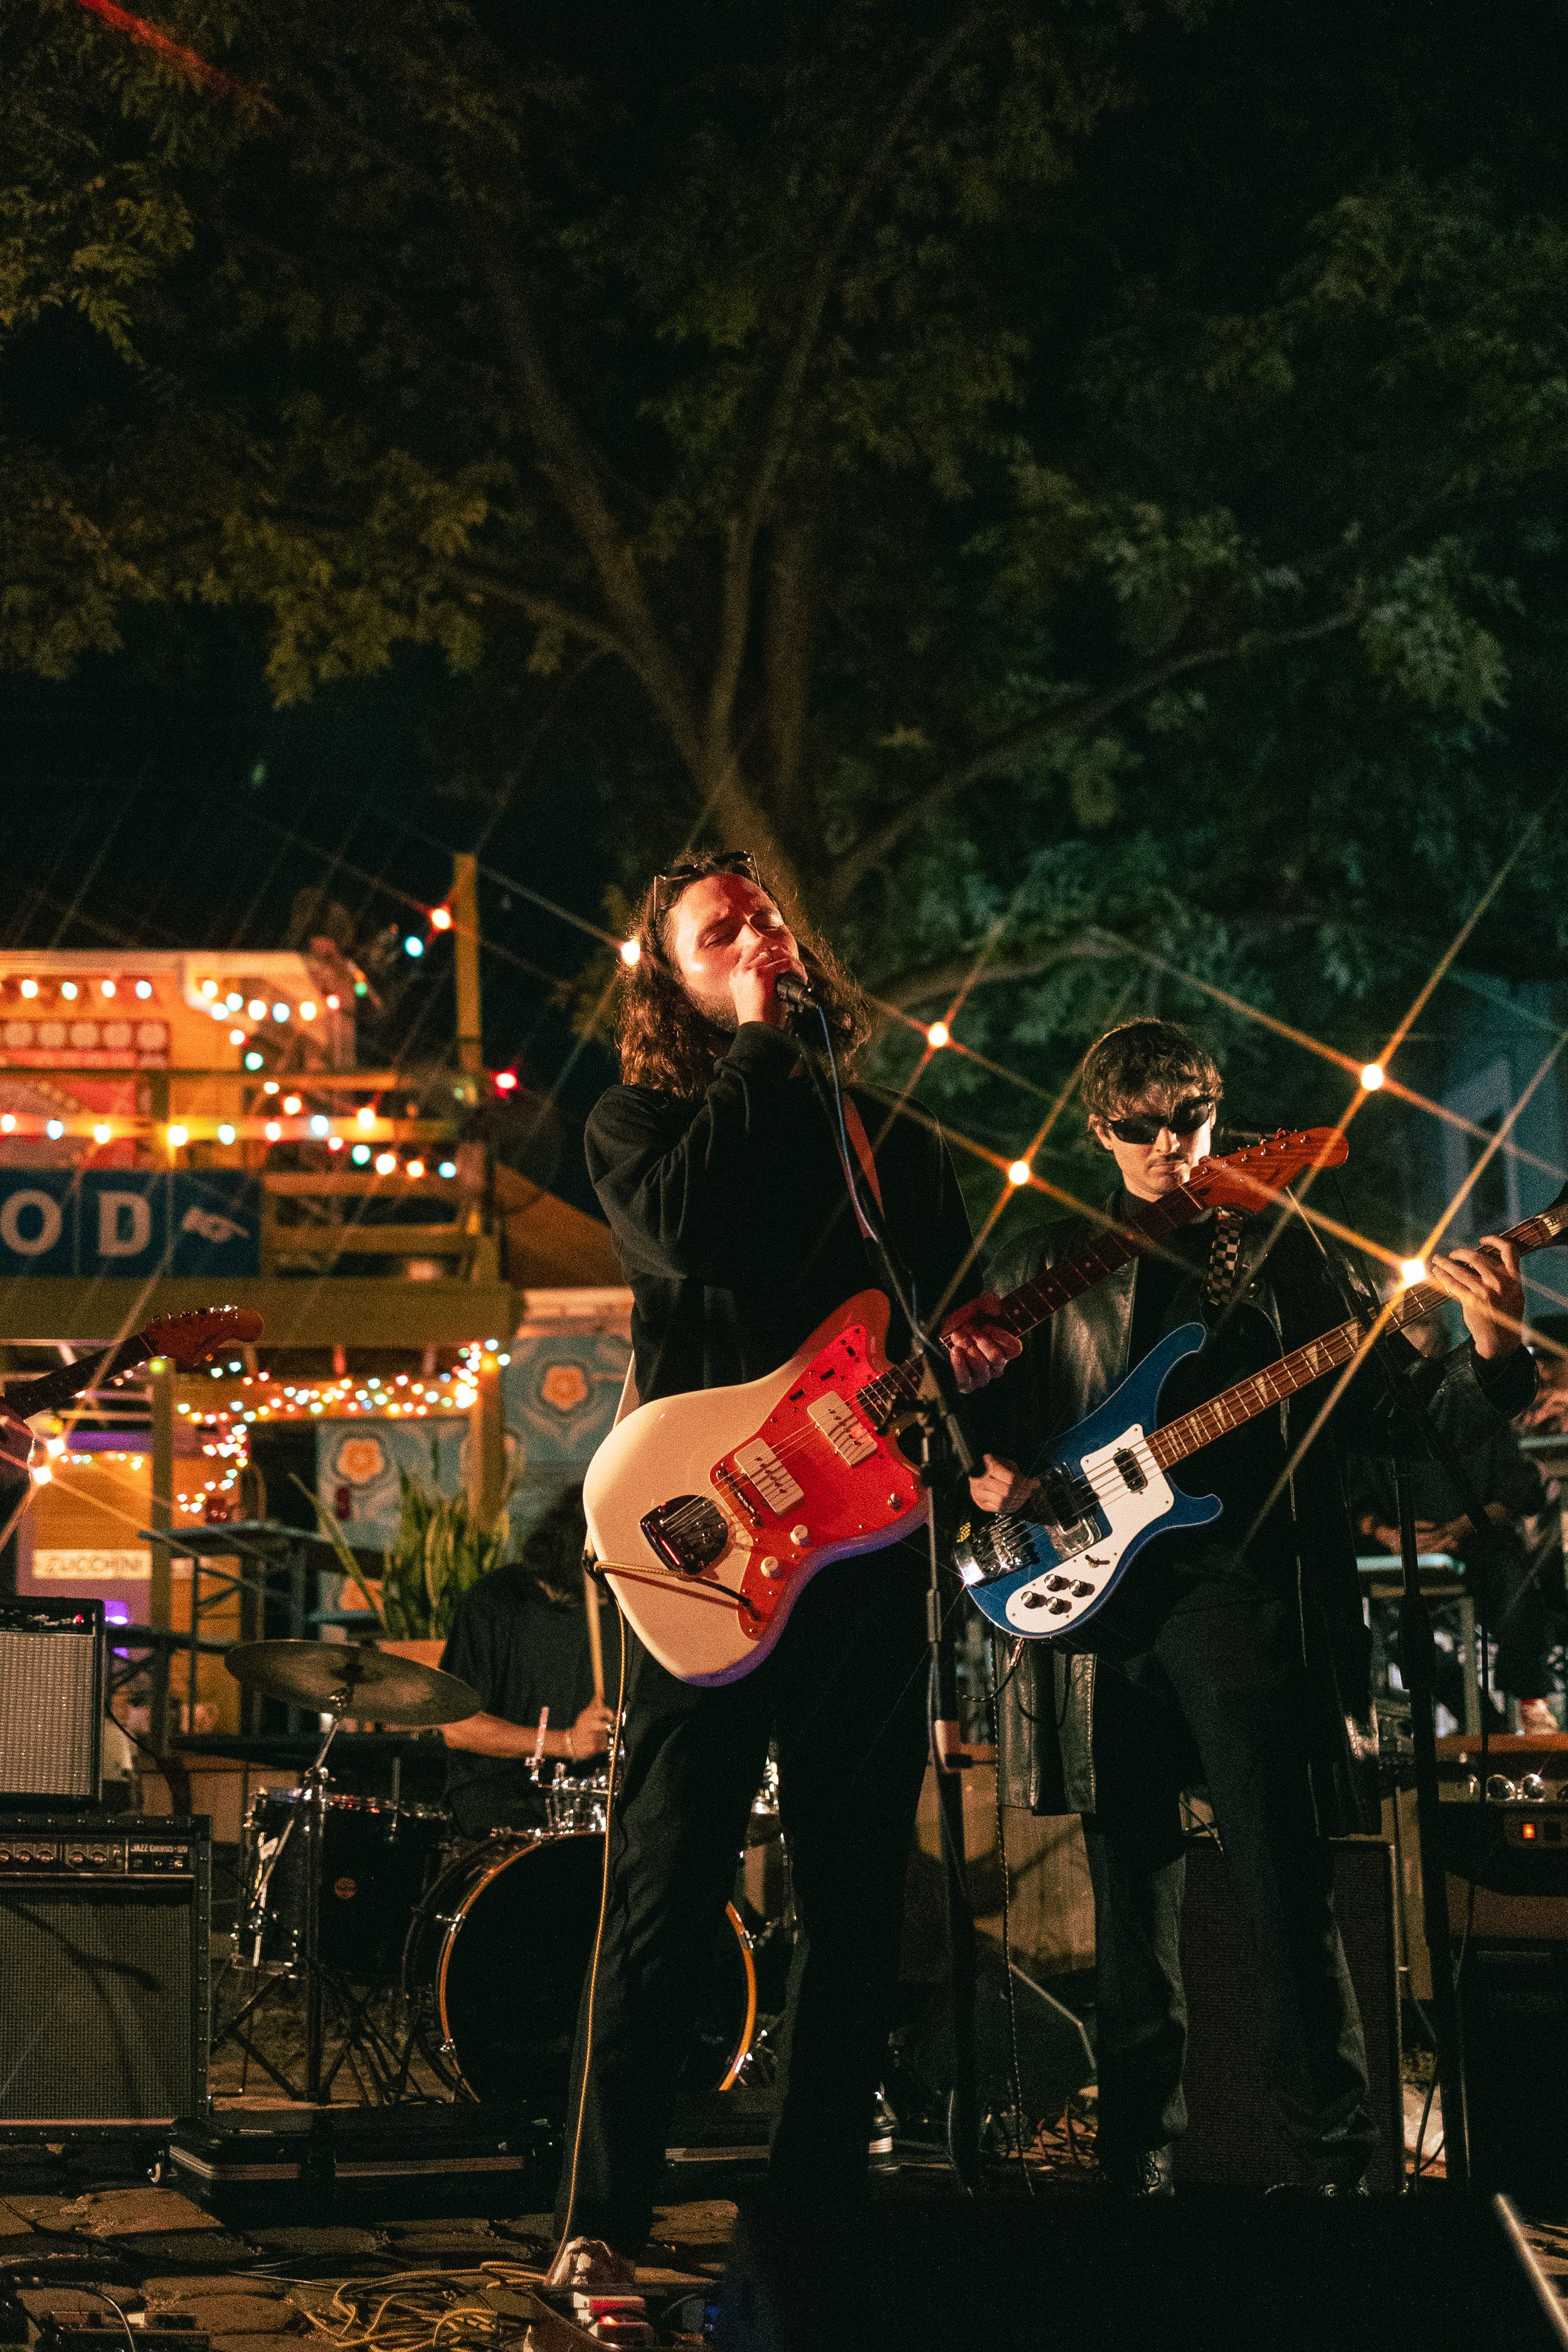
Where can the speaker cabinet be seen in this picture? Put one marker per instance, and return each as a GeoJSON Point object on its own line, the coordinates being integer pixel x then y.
{"type": "Point", "coordinates": [1514, 2005]}
{"type": "Point", "coordinates": [51, 1702]}
{"type": "Point", "coordinates": [104, 1929]}
{"type": "Point", "coordinates": [1224, 2273]}
{"type": "Point", "coordinates": [1232, 2137]}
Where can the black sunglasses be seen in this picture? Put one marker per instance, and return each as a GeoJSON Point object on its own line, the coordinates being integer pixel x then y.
{"type": "Point", "coordinates": [1183, 1119]}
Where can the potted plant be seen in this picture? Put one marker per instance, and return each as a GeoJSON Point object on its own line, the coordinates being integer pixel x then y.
{"type": "Point", "coordinates": [439, 1550]}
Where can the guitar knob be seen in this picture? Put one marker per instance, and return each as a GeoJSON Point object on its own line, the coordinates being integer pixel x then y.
{"type": "Point", "coordinates": [801, 1535]}
{"type": "Point", "coordinates": [770, 1566]}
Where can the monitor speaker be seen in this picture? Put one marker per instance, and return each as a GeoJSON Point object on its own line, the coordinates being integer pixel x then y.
{"type": "Point", "coordinates": [1514, 2003]}
{"type": "Point", "coordinates": [51, 1702]}
{"type": "Point", "coordinates": [1219, 2270]}
{"type": "Point", "coordinates": [104, 1926]}
{"type": "Point", "coordinates": [1232, 2138]}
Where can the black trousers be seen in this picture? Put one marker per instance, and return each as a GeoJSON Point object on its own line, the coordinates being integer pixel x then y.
{"type": "Point", "coordinates": [1217, 1699]}
{"type": "Point", "coordinates": [843, 1695]}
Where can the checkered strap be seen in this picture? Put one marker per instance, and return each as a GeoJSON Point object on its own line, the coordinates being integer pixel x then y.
{"type": "Point", "coordinates": [1224, 1250]}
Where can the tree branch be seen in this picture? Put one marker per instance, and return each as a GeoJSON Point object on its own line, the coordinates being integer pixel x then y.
{"type": "Point", "coordinates": [571, 466]}
{"type": "Point", "coordinates": [548, 610]}
{"type": "Point", "coordinates": [741, 538]}
{"type": "Point", "coordinates": [940, 982]}
{"type": "Point", "coordinates": [1067, 718]}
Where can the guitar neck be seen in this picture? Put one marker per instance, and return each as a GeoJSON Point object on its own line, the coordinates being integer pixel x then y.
{"type": "Point", "coordinates": [1033, 1302]}
{"type": "Point", "coordinates": [52, 1390]}
{"type": "Point", "coordinates": [1334, 1348]}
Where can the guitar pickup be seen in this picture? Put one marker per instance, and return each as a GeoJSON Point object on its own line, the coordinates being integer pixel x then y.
{"type": "Point", "coordinates": [1132, 1470]}
{"type": "Point", "coordinates": [766, 1474]}
{"type": "Point", "coordinates": [837, 1418]}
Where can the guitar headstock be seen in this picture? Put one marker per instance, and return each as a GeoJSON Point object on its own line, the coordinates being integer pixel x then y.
{"type": "Point", "coordinates": [188, 1339]}
{"type": "Point", "coordinates": [1250, 1179]}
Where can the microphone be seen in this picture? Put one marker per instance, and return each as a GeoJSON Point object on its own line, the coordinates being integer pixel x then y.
{"type": "Point", "coordinates": [794, 993]}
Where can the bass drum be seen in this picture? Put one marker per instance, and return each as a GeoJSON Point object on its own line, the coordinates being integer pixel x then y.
{"type": "Point", "coordinates": [497, 1959]}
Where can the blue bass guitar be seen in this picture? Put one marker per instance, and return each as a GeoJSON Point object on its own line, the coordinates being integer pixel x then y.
{"type": "Point", "coordinates": [1105, 1491]}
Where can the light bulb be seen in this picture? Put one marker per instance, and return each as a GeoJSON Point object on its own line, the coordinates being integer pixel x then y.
{"type": "Point", "coordinates": [29, 987]}
{"type": "Point", "coordinates": [631, 951]}
{"type": "Point", "coordinates": [385, 1162]}
{"type": "Point", "coordinates": [178, 1135]}
{"type": "Point", "coordinates": [225, 1133]}
{"type": "Point", "coordinates": [255, 1061]}
{"type": "Point", "coordinates": [1412, 1270]}
{"type": "Point", "coordinates": [1019, 1172]}
{"type": "Point", "coordinates": [256, 1010]}
{"type": "Point", "coordinates": [317, 1124]}
{"type": "Point", "coordinates": [365, 1115]}
{"type": "Point", "coordinates": [334, 1143]}
{"type": "Point", "coordinates": [54, 1130]}
{"type": "Point", "coordinates": [447, 1168]}
{"type": "Point", "coordinates": [106, 987]}
{"type": "Point", "coordinates": [506, 1080]}
{"type": "Point", "coordinates": [441, 919]}
{"type": "Point", "coordinates": [414, 945]}
{"type": "Point", "coordinates": [360, 1154]}
{"type": "Point", "coordinates": [281, 1012]}
{"type": "Point", "coordinates": [102, 1132]}
{"type": "Point", "coordinates": [333, 1003]}
{"type": "Point", "coordinates": [145, 988]}
{"type": "Point", "coordinates": [8, 1122]}
{"type": "Point", "coordinates": [69, 989]}
{"type": "Point", "coordinates": [307, 1010]}
{"type": "Point", "coordinates": [416, 1168]}
{"type": "Point", "coordinates": [292, 1106]}
{"type": "Point", "coordinates": [937, 1034]}
{"type": "Point", "coordinates": [1371, 1077]}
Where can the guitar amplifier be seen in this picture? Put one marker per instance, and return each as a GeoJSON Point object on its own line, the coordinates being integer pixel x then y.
{"type": "Point", "coordinates": [1232, 2138]}
{"type": "Point", "coordinates": [51, 1702]}
{"type": "Point", "coordinates": [104, 1926]}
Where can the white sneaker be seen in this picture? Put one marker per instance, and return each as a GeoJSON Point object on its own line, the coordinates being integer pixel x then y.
{"type": "Point", "coordinates": [591, 2267]}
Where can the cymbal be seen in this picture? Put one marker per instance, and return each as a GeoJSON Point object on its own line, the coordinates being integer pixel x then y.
{"type": "Point", "coordinates": [351, 1678]}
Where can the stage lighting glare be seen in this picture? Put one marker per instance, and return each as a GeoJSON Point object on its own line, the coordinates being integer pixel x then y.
{"type": "Point", "coordinates": [1412, 1270]}
{"type": "Point", "coordinates": [936, 1036]}
{"type": "Point", "coordinates": [1019, 1172]}
{"type": "Point", "coordinates": [631, 951]}
{"type": "Point", "coordinates": [1372, 1077]}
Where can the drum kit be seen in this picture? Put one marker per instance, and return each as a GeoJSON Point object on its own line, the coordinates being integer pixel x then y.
{"type": "Point", "coordinates": [485, 1945]}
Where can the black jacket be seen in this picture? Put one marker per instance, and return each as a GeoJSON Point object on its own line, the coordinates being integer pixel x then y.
{"type": "Point", "coordinates": [1071, 1363]}
{"type": "Point", "coordinates": [731, 1217]}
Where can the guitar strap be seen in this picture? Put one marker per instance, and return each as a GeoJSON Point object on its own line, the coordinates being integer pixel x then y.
{"type": "Point", "coordinates": [1224, 1250]}
{"type": "Point", "coordinates": [862, 1143]}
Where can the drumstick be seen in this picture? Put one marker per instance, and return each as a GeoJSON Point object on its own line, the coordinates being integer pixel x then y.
{"type": "Point", "coordinates": [595, 1639]}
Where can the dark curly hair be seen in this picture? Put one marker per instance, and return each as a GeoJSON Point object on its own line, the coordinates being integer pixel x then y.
{"type": "Point", "coordinates": [1142, 1053]}
{"type": "Point", "coordinates": [665, 1039]}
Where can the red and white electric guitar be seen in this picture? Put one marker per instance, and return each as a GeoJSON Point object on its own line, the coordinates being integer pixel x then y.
{"type": "Point", "coordinates": [711, 1512]}
{"type": "Point", "coordinates": [187, 1340]}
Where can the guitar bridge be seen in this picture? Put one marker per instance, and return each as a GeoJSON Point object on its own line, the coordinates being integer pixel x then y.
{"type": "Point", "coordinates": [688, 1533]}
{"type": "Point", "coordinates": [1069, 1508]}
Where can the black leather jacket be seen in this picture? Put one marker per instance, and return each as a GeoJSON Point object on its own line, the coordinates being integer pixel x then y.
{"type": "Point", "coordinates": [1071, 1362]}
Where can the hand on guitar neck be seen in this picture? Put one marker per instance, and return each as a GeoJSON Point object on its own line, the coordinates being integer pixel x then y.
{"type": "Point", "coordinates": [1486, 1282]}
{"type": "Point", "coordinates": [981, 1347]}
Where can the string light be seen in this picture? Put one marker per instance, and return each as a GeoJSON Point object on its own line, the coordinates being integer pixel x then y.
{"type": "Point", "coordinates": [1018, 1173]}
{"type": "Point", "coordinates": [178, 1135]}
{"type": "Point", "coordinates": [272, 1130]}
{"type": "Point", "coordinates": [144, 989]}
{"type": "Point", "coordinates": [360, 1155]}
{"type": "Point", "coordinates": [307, 1010]}
{"type": "Point", "coordinates": [506, 1080]}
{"type": "Point", "coordinates": [441, 919]}
{"type": "Point", "coordinates": [365, 1115]}
{"type": "Point", "coordinates": [236, 1036]}
{"type": "Point", "coordinates": [106, 987]}
{"type": "Point", "coordinates": [253, 1061]}
{"type": "Point", "coordinates": [414, 945]}
{"type": "Point", "coordinates": [334, 1143]}
{"type": "Point", "coordinates": [225, 1133]}
{"type": "Point", "coordinates": [70, 990]}
{"type": "Point", "coordinates": [416, 1168]}
{"type": "Point", "coordinates": [256, 1010]}
{"type": "Point", "coordinates": [333, 1002]}
{"type": "Point", "coordinates": [29, 987]}
{"type": "Point", "coordinates": [1372, 1077]}
{"type": "Point", "coordinates": [293, 1105]}
{"type": "Point", "coordinates": [319, 1125]}
{"type": "Point", "coordinates": [54, 1130]}
{"type": "Point", "coordinates": [448, 1168]}
{"type": "Point", "coordinates": [936, 1036]}
{"type": "Point", "coordinates": [385, 1163]}
{"type": "Point", "coordinates": [281, 1012]}
{"type": "Point", "coordinates": [102, 1132]}
{"type": "Point", "coordinates": [8, 1122]}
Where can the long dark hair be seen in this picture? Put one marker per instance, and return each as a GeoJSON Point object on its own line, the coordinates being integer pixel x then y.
{"type": "Point", "coordinates": [668, 1041]}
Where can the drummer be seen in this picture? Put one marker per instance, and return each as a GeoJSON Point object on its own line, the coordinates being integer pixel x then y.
{"type": "Point", "coordinates": [520, 1638]}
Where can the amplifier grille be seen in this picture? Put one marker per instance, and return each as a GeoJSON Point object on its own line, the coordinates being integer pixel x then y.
{"type": "Point", "coordinates": [104, 2011]}
{"type": "Point", "coordinates": [49, 1712]}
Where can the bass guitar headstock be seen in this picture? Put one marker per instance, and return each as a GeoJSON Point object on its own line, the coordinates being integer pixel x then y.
{"type": "Point", "coordinates": [1252, 1177]}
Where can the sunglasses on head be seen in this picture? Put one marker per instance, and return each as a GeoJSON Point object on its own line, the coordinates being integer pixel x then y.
{"type": "Point", "coordinates": [696, 869]}
{"type": "Point", "coordinates": [1185, 1117]}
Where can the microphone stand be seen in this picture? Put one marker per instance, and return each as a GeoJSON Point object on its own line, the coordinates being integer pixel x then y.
{"type": "Point", "coordinates": [1417, 1434]}
{"type": "Point", "coordinates": [945, 1455]}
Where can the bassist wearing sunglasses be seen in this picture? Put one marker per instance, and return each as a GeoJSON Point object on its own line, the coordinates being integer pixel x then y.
{"type": "Point", "coordinates": [1233, 1656]}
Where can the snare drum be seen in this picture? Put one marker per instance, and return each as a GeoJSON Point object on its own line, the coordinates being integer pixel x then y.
{"type": "Point", "coordinates": [377, 1858]}
{"type": "Point", "coordinates": [497, 1957]}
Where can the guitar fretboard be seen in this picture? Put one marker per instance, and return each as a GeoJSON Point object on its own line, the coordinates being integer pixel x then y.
{"type": "Point", "coordinates": [1328, 1353]}
{"type": "Point", "coordinates": [1023, 1308]}
{"type": "Point", "coordinates": [51, 1390]}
